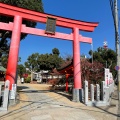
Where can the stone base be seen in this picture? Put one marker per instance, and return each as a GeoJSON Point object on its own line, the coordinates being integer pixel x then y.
{"type": "Point", "coordinates": [13, 98]}
{"type": "Point", "coordinates": [97, 103]}
{"type": "Point", "coordinates": [77, 95]}
{"type": "Point", "coordinates": [14, 102]}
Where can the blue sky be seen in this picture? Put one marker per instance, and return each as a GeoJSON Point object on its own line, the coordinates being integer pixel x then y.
{"type": "Point", "coordinates": [85, 10]}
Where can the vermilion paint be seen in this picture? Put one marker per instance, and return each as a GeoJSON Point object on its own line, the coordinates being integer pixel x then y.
{"type": "Point", "coordinates": [16, 27]}
{"type": "Point", "coordinates": [76, 59]}
{"type": "Point", "coordinates": [14, 50]}
{"type": "Point", "coordinates": [66, 88]}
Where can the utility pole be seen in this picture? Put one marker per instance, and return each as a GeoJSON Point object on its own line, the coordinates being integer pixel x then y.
{"type": "Point", "coordinates": [116, 21]}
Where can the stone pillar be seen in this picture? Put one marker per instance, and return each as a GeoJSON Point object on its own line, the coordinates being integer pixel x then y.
{"type": "Point", "coordinates": [97, 92]}
{"type": "Point", "coordinates": [6, 95]}
{"type": "Point", "coordinates": [103, 90]}
{"type": "Point", "coordinates": [92, 92]}
{"type": "Point", "coordinates": [86, 91]}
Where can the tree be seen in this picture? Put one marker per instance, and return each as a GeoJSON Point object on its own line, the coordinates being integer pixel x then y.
{"type": "Point", "coordinates": [4, 60]}
{"type": "Point", "coordinates": [67, 57]}
{"type": "Point", "coordinates": [54, 61]}
{"type": "Point", "coordinates": [92, 72]}
{"type": "Point", "coordinates": [49, 61]}
{"type": "Point", "coordinates": [35, 5]}
{"type": "Point", "coordinates": [21, 70]}
{"type": "Point", "coordinates": [37, 62]}
{"type": "Point", "coordinates": [32, 62]}
{"type": "Point", "coordinates": [4, 49]}
{"type": "Point", "coordinates": [105, 56]}
{"type": "Point", "coordinates": [55, 51]}
{"type": "Point", "coordinates": [43, 61]}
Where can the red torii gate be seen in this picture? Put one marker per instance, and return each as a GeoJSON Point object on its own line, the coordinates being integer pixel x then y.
{"type": "Point", "coordinates": [17, 28]}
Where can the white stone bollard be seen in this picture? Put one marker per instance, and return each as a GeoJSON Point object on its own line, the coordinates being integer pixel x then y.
{"type": "Point", "coordinates": [86, 91]}
{"type": "Point", "coordinates": [6, 95]}
{"type": "Point", "coordinates": [97, 92]}
{"type": "Point", "coordinates": [112, 86]}
{"type": "Point", "coordinates": [107, 94]}
{"type": "Point", "coordinates": [22, 80]}
{"type": "Point", "coordinates": [92, 92]}
{"type": "Point", "coordinates": [103, 90]}
{"type": "Point", "coordinates": [83, 97]}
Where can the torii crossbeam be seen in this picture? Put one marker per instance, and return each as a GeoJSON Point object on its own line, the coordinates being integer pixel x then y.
{"type": "Point", "coordinates": [17, 28]}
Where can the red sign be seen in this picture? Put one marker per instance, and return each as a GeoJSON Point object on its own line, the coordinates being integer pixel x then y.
{"type": "Point", "coordinates": [25, 75]}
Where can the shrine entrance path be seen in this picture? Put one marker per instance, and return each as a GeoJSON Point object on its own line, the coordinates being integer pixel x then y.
{"type": "Point", "coordinates": [37, 102]}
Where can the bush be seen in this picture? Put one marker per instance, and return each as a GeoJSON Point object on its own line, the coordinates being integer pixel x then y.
{"type": "Point", "coordinates": [28, 80]}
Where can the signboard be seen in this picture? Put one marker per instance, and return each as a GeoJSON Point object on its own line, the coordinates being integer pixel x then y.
{"type": "Point", "coordinates": [50, 25]}
{"type": "Point", "coordinates": [111, 78]}
{"type": "Point", "coordinates": [107, 71]}
{"type": "Point", "coordinates": [117, 68]}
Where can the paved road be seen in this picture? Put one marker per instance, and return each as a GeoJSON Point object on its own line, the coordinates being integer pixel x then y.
{"type": "Point", "coordinates": [37, 104]}
{"type": "Point", "coordinates": [42, 107]}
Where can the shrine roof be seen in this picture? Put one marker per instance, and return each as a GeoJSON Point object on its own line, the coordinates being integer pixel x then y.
{"type": "Point", "coordinates": [66, 68]}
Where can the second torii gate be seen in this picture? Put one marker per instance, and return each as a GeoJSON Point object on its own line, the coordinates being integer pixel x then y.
{"type": "Point", "coordinates": [17, 28]}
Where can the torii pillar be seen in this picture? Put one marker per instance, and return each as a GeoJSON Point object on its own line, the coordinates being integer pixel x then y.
{"type": "Point", "coordinates": [14, 51]}
{"type": "Point", "coordinates": [77, 90]}
{"type": "Point", "coordinates": [17, 28]}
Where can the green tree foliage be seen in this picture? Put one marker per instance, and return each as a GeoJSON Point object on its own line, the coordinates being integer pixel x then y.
{"type": "Point", "coordinates": [4, 60]}
{"type": "Point", "coordinates": [35, 5]}
{"type": "Point", "coordinates": [105, 56]}
{"type": "Point", "coordinates": [4, 47]}
{"type": "Point", "coordinates": [21, 70]}
{"type": "Point", "coordinates": [37, 62]}
{"type": "Point", "coordinates": [53, 61]}
{"type": "Point", "coordinates": [32, 62]}
{"type": "Point", "coordinates": [55, 51]}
